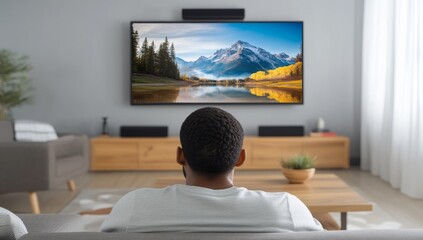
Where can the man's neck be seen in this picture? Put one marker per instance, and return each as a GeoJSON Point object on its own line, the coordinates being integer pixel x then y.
{"type": "Point", "coordinates": [213, 182]}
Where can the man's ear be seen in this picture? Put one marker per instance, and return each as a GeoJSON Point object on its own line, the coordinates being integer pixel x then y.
{"type": "Point", "coordinates": [180, 159]}
{"type": "Point", "coordinates": [241, 158]}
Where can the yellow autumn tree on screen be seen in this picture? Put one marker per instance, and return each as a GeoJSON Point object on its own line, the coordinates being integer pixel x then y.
{"type": "Point", "coordinates": [291, 72]}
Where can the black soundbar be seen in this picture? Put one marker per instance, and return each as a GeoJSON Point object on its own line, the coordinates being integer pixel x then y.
{"type": "Point", "coordinates": [143, 131]}
{"type": "Point", "coordinates": [213, 14]}
{"type": "Point", "coordinates": [284, 131]}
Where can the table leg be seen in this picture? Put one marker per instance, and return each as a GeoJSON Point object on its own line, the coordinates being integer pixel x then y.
{"type": "Point", "coordinates": [343, 221]}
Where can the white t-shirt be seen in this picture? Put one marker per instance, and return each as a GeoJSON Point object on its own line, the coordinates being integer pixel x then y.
{"type": "Point", "coordinates": [183, 208]}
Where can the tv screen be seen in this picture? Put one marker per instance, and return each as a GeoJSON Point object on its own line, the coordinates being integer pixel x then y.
{"type": "Point", "coordinates": [216, 62]}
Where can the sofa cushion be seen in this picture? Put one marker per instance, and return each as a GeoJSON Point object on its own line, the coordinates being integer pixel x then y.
{"type": "Point", "coordinates": [11, 226]}
{"type": "Point", "coordinates": [37, 223]}
{"type": "Point", "coordinates": [32, 131]}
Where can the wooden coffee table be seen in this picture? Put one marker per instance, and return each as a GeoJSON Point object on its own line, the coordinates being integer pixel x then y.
{"type": "Point", "coordinates": [324, 193]}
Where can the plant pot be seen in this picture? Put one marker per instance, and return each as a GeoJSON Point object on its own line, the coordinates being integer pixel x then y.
{"type": "Point", "coordinates": [298, 175]}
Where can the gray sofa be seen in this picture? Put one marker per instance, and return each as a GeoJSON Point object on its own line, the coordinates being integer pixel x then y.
{"type": "Point", "coordinates": [332, 235]}
{"type": "Point", "coordinates": [66, 227]}
{"type": "Point", "coordinates": [39, 166]}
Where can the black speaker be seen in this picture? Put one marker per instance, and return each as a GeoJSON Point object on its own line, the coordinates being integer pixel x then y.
{"type": "Point", "coordinates": [143, 131]}
{"type": "Point", "coordinates": [213, 14]}
{"type": "Point", "coordinates": [286, 131]}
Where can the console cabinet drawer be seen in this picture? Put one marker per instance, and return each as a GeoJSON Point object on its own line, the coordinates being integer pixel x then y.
{"type": "Point", "coordinates": [158, 154]}
{"type": "Point", "coordinates": [269, 154]}
{"type": "Point", "coordinates": [114, 155]}
{"type": "Point", "coordinates": [328, 154]}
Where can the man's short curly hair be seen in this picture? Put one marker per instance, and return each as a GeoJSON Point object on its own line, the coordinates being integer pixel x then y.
{"type": "Point", "coordinates": [211, 140]}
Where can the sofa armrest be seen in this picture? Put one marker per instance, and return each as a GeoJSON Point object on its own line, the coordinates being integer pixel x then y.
{"type": "Point", "coordinates": [24, 166]}
{"type": "Point", "coordinates": [70, 158]}
{"type": "Point", "coordinates": [71, 145]}
{"type": "Point", "coordinates": [11, 226]}
{"type": "Point", "coordinates": [6, 230]}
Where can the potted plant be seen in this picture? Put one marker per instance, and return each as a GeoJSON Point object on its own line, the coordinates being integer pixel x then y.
{"type": "Point", "coordinates": [298, 168]}
{"type": "Point", "coordinates": [14, 82]}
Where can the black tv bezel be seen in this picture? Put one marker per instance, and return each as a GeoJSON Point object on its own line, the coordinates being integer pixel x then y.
{"type": "Point", "coordinates": [210, 103]}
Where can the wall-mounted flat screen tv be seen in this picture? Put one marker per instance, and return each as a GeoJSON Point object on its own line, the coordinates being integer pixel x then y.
{"type": "Point", "coordinates": [216, 62]}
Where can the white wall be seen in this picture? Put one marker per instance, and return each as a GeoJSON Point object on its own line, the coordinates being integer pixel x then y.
{"type": "Point", "coordinates": [79, 50]}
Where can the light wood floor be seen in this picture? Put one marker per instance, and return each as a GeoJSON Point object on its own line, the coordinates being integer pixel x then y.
{"type": "Point", "coordinates": [407, 211]}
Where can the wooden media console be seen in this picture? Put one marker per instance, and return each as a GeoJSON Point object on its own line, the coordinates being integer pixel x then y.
{"type": "Point", "coordinates": [116, 153]}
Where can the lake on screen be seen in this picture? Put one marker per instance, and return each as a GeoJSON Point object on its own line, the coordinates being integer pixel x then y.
{"type": "Point", "coordinates": [210, 93]}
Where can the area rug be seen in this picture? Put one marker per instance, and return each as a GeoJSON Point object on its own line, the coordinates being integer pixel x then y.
{"type": "Point", "coordinates": [94, 199]}
{"type": "Point", "coordinates": [376, 219]}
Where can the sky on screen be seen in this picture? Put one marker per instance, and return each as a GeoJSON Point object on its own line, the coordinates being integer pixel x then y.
{"type": "Point", "coordinates": [193, 40]}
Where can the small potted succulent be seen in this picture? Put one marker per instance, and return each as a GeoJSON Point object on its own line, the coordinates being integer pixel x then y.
{"type": "Point", "coordinates": [298, 168]}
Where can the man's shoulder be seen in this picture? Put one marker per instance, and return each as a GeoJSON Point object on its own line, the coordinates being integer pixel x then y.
{"type": "Point", "coordinates": [152, 191]}
{"type": "Point", "coordinates": [264, 194]}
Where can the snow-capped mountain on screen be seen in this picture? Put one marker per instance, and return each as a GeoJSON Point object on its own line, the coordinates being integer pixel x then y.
{"type": "Point", "coordinates": [285, 57]}
{"type": "Point", "coordinates": [238, 61]}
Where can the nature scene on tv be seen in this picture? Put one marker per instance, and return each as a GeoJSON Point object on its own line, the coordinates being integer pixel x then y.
{"type": "Point", "coordinates": [217, 62]}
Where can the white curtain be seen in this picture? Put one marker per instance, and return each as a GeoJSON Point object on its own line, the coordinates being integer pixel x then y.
{"type": "Point", "coordinates": [392, 93]}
